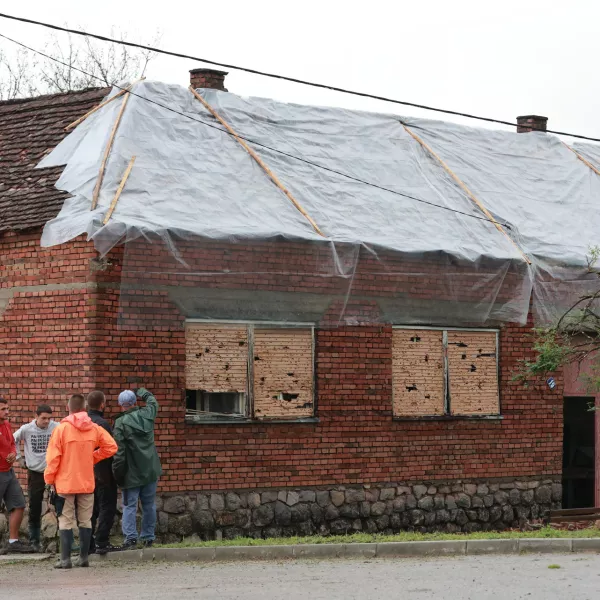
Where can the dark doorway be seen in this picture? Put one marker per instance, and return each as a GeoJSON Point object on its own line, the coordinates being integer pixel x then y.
{"type": "Point", "coordinates": [578, 453]}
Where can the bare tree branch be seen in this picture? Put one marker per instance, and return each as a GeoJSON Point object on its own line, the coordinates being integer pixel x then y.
{"type": "Point", "coordinates": [13, 75]}
{"type": "Point", "coordinates": [22, 73]}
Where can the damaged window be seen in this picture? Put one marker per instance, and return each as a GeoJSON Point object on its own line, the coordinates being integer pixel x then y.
{"type": "Point", "coordinates": [249, 371]}
{"type": "Point", "coordinates": [439, 372]}
{"type": "Point", "coordinates": [283, 373]}
{"type": "Point", "coordinates": [473, 372]}
{"type": "Point", "coordinates": [216, 370]}
{"type": "Point", "coordinates": [418, 372]}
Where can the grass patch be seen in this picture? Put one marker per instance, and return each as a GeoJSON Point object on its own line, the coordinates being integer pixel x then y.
{"type": "Point", "coordinates": [554, 566]}
{"type": "Point", "coordinates": [359, 538]}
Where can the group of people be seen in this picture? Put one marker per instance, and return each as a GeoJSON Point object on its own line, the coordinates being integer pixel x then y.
{"type": "Point", "coordinates": [82, 461]}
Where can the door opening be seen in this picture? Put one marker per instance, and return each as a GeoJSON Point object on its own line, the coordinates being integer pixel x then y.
{"type": "Point", "coordinates": [578, 452]}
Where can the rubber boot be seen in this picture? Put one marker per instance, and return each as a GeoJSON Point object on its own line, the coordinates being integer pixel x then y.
{"type": "Point", "coordinates": [34, 536]}
{"type": "Point", "coordinates": [66, 540]}
{"type": "Point", "coordinates": [85, 535]}
{"type": "Point", "coordinates": [74, 546]}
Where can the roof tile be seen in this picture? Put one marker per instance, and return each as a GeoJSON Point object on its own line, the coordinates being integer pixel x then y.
{"type": "Point", "coordinates": [29, 128]}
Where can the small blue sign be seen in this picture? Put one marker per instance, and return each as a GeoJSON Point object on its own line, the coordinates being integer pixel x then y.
{"type": "Point", "coordinates": [551, 383]}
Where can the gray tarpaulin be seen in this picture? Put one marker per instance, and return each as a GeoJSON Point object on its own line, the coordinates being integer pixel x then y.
{"type": "Point", "coordinates": [193, 181]}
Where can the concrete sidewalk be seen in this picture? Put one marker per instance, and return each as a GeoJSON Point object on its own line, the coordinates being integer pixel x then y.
{"type": "Point", "coordinates": [368, 550]}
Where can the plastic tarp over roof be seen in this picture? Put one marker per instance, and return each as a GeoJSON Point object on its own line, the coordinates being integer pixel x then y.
{"type": "Point", "coordinates": [193, 181]}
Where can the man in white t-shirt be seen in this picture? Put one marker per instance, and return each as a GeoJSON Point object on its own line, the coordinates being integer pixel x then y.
{"type": "Point", "coordinates": [35, 437]}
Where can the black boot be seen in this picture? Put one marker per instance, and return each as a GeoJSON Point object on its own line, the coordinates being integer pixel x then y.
{"type": "Point", "coordinates": [34, 536]}
{"type": "Point", "coordinates": [93, 547]}
{"type": "Point", "coordinates": [66, 540]}
{"type": "Point", "coordinates": [85, 535]}
{"type": "Point", "coordinates": [74, 546]}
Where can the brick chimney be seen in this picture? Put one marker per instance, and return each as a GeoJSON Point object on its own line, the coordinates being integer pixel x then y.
{"type": "Point", "coordinates": [528, 123]}
{"type": "Point", "coordinates": [208, 78]}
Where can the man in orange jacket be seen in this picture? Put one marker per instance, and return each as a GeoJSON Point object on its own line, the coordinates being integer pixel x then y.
{"type": "Point", "coordinates": [76, 445]}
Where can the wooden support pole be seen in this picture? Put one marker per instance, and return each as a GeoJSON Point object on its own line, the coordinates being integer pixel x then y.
{"type": "Point", "coordinates": [113, 204]}
{"type": "Point", "coordinates": [107, 150]}
{"type": "Point", "coordinates": [467, 191]}
{"type": "Point", "coordinates": [582, 159]}
{"type": "Point", "coordinates": [258, 160]}
{"type": "Point", "coordinates": [96, 108]}
{"type": "Point", "coordinates": [102, 105]}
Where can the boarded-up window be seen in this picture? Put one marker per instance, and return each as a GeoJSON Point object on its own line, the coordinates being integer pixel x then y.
{"type": "Point", "coordinates": [444, 372]}
{"type": "Point", "coordinates": [473, 372]}
{"type": "Point", "coordinates": [216, 358]}
{"type": "Point", "coordinates": [283, 373]}
{"type": "Point", "coordinates": [243, 370]}
{"type": "Point", "coordinates": [418, 372]}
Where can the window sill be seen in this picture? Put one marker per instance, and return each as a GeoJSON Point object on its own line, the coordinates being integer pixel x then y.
{"type": "Point", "coordinates": [451, 418]}
{"type": "Point", "coordinates": [197, 420]}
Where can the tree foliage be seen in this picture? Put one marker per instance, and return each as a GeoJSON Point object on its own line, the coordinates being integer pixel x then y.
{"type": "Point", "coordinates": [574, 338]}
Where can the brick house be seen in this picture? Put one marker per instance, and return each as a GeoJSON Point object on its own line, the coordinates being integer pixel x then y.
{"type": "Point", "coordinates": [269, 428]}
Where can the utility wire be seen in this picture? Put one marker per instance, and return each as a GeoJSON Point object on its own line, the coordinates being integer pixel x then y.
{"type": "Point", "coordinates": [299, 158]}
{"type": "Point", "coordinates": [285, 77]}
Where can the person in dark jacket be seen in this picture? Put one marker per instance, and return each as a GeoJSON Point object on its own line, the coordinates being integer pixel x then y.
{"type": "Point", "coordinates": [136, 466]}
{"type": "Point", "coordinates": [106, 492]}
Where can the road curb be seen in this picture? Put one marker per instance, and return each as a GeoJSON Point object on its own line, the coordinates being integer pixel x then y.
{"type": "Point", "coordinates": [10, 558]}
{"type": "Point", "coordinates": [546, 546]}
{"type": "Point", "coordinates": [366, 550]}
{"type": "Point", "coordinates": [435, 548]}
{"type": "Point", "coordinates": [506, 546]}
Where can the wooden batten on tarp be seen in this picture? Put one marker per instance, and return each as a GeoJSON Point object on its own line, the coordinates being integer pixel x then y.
{"type": "Point", "coordinates": [465, 189]}
{"type": "Point", "coordinates": [258, 160]}
{"type": "Point", "coordinates": [102, 105]}
{"type": "Point", "coordinates": [114, 201]}
{"type": "Point", "coordinates": [107, 150]}
{"type": "Point", "coordinates": [583, 159]}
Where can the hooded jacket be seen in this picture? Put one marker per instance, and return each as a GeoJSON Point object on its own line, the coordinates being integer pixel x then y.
{"type": "Point", "coordinates": [75, 447]}
{"type": "Point", "coordinates": [136, 462]}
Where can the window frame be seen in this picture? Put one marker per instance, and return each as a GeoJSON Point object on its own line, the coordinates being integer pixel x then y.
{"type": "Point", "coordinates": [202, 396]}
{"type": "Point", "coordinates": [250, 417]}
{"type": "Point", "coordinates": [447, 416]}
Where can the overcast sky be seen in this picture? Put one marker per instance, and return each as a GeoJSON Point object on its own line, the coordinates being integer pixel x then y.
{"type": "Point", "coordinates": [499, 59]}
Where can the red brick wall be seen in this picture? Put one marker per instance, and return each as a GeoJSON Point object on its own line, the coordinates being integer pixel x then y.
{"type": "Point", "coordinates": [46, 311]}
{"type": "Point", "coordinates": [410, 284]}
{"type": "Point", "coordinates": [56, 341]}
{"type": "Point", "coordinates": [356, 440]}
{"type": "Point", "coordinates": [24, 263]}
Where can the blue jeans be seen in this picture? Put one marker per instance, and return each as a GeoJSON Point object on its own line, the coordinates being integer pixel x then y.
{"type": "Point", "coordinates": [147, 495]}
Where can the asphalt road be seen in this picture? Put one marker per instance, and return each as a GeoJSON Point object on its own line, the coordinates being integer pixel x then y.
{"type": "Point", "coordinates": [499, 577]}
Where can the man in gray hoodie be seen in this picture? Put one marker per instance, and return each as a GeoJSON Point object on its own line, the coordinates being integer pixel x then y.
{"type": "Point", "coordinates": [35, 437]}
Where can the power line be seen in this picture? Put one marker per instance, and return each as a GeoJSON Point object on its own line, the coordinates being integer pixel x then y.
{"type": "Point", "coordinates": [286, 78]}
{"type": "Point", "coordinates": [261, 145]}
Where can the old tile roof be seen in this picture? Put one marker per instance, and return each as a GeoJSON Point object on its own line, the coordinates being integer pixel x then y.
{"type": "Point", "coordinates": [29, 128]}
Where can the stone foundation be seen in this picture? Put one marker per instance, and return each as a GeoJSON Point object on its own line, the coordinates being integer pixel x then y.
{"type": "Point", "coordinates": [457, 506]}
